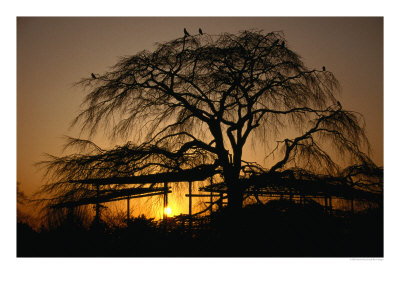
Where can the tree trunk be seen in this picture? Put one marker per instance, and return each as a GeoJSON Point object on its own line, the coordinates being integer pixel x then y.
{"type": "Point", "coordinates": [235, 198]}
{"type": "Point", "coordinates": [235, 191]}
{"type": "Point", "coordinates": [231, 169]}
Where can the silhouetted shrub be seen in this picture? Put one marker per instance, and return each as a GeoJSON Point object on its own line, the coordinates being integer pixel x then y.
{"type": "Point", "coordinates": [278, 229]}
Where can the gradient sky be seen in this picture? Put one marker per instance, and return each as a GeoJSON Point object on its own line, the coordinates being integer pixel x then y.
{"type": "Point", "coordinates": [54, 53]}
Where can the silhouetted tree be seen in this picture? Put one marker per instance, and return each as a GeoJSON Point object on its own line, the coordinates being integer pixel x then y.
{"type": "Point", "coordinates": [199, 99]}
{"type": "Point", "coordinates": [22, 201]}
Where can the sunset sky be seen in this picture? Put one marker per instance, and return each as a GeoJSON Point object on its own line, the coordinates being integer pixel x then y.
{"type": "Point", "coordinates": [54, 53]}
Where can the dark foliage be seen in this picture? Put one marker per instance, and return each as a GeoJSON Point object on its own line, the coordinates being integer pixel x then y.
{"type": "Point", "coordinates": [279, 229]}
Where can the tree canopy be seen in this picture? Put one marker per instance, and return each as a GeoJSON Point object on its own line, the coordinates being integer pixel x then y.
{"type": "Point", "coordinates": [197, 100]}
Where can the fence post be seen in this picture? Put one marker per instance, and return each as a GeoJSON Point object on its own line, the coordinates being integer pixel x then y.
{"type": "Point", "coordinates": [97, 217]}
{"type": "Point", "coordinates": [352, 204]}
{"type": "Point", "coordinates": [127, 209]}
{"type": "Point", "coordinates": [221, 195]}
{"type": "Point", "coordinates": [211, 197]}
{"type": "Point", "coordinates": [165, 205]}
{"type": "Point", "coordinates": [190, 205]}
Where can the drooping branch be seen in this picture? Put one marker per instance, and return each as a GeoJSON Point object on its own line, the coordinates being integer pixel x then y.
{"type": "Point", "coordinates": [65, 173]}
{"type": "Point", "coordinates": [341, 128]}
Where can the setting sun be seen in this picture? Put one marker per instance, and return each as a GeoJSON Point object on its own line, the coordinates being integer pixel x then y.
{"type": "Point", "coordinates": [167, 211]}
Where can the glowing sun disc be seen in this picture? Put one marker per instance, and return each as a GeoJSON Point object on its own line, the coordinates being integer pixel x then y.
{"type": "Point", "coordinates": [167, 210]}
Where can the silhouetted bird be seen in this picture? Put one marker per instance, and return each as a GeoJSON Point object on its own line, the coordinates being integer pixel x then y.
{"type": "Point", "coordinates": [185, 31]}
{"type": "Point", "coordinates": [338, 103]}
{"type": "Point", "coordinates": [283, 44]}
{"type": "Point", "coordinates": [93, 76]}
{"type": "Point", "coordinates": [323, 68]}
{"type": "Point", "coordinates": [200, 31]}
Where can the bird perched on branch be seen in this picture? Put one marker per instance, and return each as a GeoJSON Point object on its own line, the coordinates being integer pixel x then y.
{"type": "Point", "coordinates": [275, 43]}
{"type": "Point", "coordinates": [200, 31]}
{"type": "Point", "coordinates": [339, 104]}
{"type": "Point", "coordinates": [93, 76]}
{"type": "Point", "coordinates": [283, 43]}
{"type": "Point", "coordinates": [185, 31]}
{"type": "Point", "coordinates": [323, 68]}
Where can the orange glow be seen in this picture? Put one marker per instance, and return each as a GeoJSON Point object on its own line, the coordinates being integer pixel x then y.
{"type": "Point", "coordinates": [167, 211]}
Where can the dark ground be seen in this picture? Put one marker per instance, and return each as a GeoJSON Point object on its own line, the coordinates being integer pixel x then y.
{"type": "Point", "coordinates": [278, 229]}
